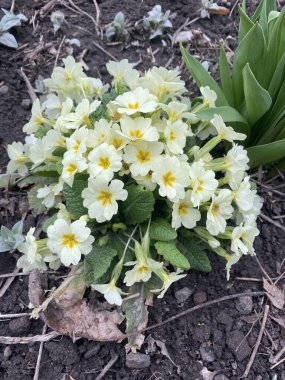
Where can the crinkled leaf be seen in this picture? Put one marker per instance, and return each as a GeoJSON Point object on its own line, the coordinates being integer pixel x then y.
{"type": "Point", "coordinates": [160, 229]}
{"type": "Point", "coordinates": [139, 205]}
{"type": "Point", "coordinates": [48, 170]}
{"type": "Point", "coordinates": [195, 254]}
{"type": "Point", "coordinates": [97, 262]}
{"type": "Point", "coordinates": [169, 251]}
{"type": "Point", "coordinates": [34, 202]}
{"type": "Point", "coordinates": [9, 40]}
{"type": "Point", "coordinates": [74, 201]}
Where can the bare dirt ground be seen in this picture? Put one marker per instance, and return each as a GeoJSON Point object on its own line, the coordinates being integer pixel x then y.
{"type": "Point", "coordinates": [218, 339]}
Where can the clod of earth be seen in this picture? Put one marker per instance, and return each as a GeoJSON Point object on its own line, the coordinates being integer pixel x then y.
{"type": "Point", "coordinates": [77, 319]}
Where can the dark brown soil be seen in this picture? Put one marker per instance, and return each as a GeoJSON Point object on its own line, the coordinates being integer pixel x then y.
{"type": "Point", "coordinates": [219, 338]}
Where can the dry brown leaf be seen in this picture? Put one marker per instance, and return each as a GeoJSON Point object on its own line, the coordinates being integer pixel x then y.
{"type": "Point", "coordinates": [77, 320]}
{"type": "Point", "coordinates": [219, 10]}
{"type": "Point", "coordinates": [275, 295]}
{"type": "Point", "coordinates": [280, 321]}
{"type": "Point", "coordinates": [185, 36]}
{"type": "Point", "coordinates": [253, 318]}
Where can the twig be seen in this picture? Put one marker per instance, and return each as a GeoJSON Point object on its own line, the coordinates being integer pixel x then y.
{"type": "Point", "coordinates": [107, 367]}
{"type": "Point", "coordinates": [276, 224]}
{"type": "Point", "coordinates": [58, 51]}
{"type": "Point", "coordinates": [275, 365]}
{"type": "Point", "coordinates": [47, 7]}
{"type": "Point", "coordinates": [40, 48]}
{"type": "Point", "coordinates": [263, 270]}
{"type": "Point", "coordinates": [104, 51]}
{"type": "Point", "coordinates": [198, 307]}
{"type": "Point", "coordinates": [7, 316]}
{"type": "Point", "coordinates": [84, 13]}
{"type": "Point", "coordinates": [28, 339]}
{"type": "Point", "coordinates": [13, 274]}
{"type": "Point", "coordinates": [261, 332]}
{"type": "Point", "coordinates": [98, 14]}
{"type": "Point", "coordinates": [12, 6]}
{"type": "Point", "coordinates": [31, 91]}
{"type": "Point", "coordinates": [8, 282]}
{"type": "Point", "coordinates": [235, 4]}
{"type": "Point", "coordinates": [37, 370]}
{"type": "Point", "coordinates": [278, 355]}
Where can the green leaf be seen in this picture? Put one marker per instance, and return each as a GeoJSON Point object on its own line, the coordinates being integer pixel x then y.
{"type": "Point", "coordinates": [160, 229]}
{"type": "Point", "coordinates": [250, 50]}
{"type": "Point", "coordinates": [41, 132]}
{"type": "Point", "coordinates": [169, 251]}
{"type": "Point", "coordinates": [139, 205]}
{"type": "Point", "coordinates": [195, 254]}
{"type": "Point", "coordinates": [48, 170]}
{"type": "Point", "coordinates": [266, 154]}
{"type": "Point", "coordinates": [277, 78]}
{"type": "Point", "coordinates": [245, 24]}
{"type": "Point", "coordinates": [225, 75]}
{"type": "Point", "coordinates": [202, 77]}
{"type": "Point", "coordinates": [97, 262]}
{"type": "Point", "coordinates": [74, 201]}
{"type": "Point", "coordinates": [34, 202]}
{"type": "Point", "coordinates": [229, 114]}
{"type": "Point", "coordinates": [49, 222]}
{"type": "Point", "coordinates": [257, 99]}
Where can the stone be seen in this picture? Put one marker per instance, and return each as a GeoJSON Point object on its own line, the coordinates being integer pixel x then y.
{"type": "Point", "coordinates": [26, 104]}
{"type": "Point", "coordinates": [207, 355]}
{"type": "Point", "coordinates": [62, 352]}
{"type": "Point", "coordinates": [225, 319]}
{"type": "Point", "coordinates": [183, 294]}
{"type": "Point", "coordinates": [7, 352]}
{"type": "Point", "coordinates": [137, 360]}
{"type": "Point", "coordinates": [244, 305]}
{"type": "Point", "coordinates": [4, 89]}
{"type": "Point", "coordinates": [199, 297]}
{"type": "Point", "coordinates": [20, 326]}
{"type": "Point", "coordinates": [236, 339]}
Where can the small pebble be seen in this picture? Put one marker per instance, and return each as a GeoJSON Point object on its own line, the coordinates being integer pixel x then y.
{"type": "Point", "coordinates": [236, 339]}
{"type": "Point", "coordinates": [199, 297]}
{"type": "Point", "coordinates": [221, 377]}
{"type": "Point", "coordinates": [183, 294]}
{"type": "Point", "coordinates": [244, 305]}
{"type": "Point", "coordinates": [137, 361]}
{"type": "Point", "coordinates": [207, 355]}
{"type": "Point", "coordinates": [26, 104]}
{"type": "Point", "coordinates": [4, 89]}
{"type": "Point", "coordinates": [7, 352]}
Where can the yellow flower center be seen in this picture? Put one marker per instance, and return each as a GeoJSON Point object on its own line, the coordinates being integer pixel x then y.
{"type": "Point", "coordinates": [21, 159]}
{"type": "Point", "coordinates": [69, 240]}
{"type": "Point", "coordinates": [117, 143]}
{"type": "Point", "coordinates": [76, 145]}
{"type": "Point", "coordinates": [172, 136]}
{"type": "Point", "coordinates": [143, 157]}
{"type": "Point", "coordinates": [215, 209]}
{"type": "Point", "coordinates": [86, 120]}
{"type": "Point", "coordinates": [134, 106]}
{"type": "Point", "coordinates": [71, 169]}
{"type": "Point", "coordinates": [200, 187]}
{"type": "Point", "coordinates": [101, 137]}
{"type": "Point", "coordinates": [137, 133]}
{"type": "Point", "coordinates": [104, 162]}
{"type": "Point", "coordinates": [68, 75]}
{"type": "Point", "coordinates": [172, 115]}
{"type": "Point", "coordinates": [183, 209]}
{"type": "Point", "coordinates": [105, 197]}
{"type": "Point", "coordinates": [39, 120]}
{"type": "Point", "coordinates": [168, 179]}
{"type": "Point", "coordinates": [143, 269]}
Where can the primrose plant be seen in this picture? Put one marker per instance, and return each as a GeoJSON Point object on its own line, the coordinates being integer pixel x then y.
{"type": "Point", "coordinates": [117, 29]}
{"type": "Point", "coordinates": [133, 192]}
{"type": "Point", "coordinates": [9, 21]}
{"type": "Point", "coordinates": [10, 240]}
{"type": "Point", "coordinates": [157, 22]}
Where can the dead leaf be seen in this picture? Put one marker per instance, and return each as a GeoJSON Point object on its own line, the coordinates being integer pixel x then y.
{"type": "Point", "coordinates": [77, 320]}
{"type": "Point", "coordinates": [275, 295]}
{"type": "Point", "coordinates": [151, 347]}
{"type": "Point", "coordinates": [253, 318]}
{"type": "Point", "coordinates": [185, 36]}
{"type": "Point", "coordinates": [280, 321]}
{"type": "Point", "coordinates": [218, 10]}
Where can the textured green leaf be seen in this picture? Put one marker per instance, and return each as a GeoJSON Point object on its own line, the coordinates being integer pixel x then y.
{"type": "Point", "coordinates": [74, 201]}
{"type": "Point", "coordinates": [202, 77]}
{"type": "Point", "coordinates": [34, 202]}
{"type": "Point", "coordinates": [139, 205]}
{"type": "Point", "coordinates": [169, 251]}
{"type": "Point", "coordinates": [266, 154]}
{"type": "Point", "coordinates": [49, 222]}
{"type": "Point", "coordinates": [48, 170]}
{"type": "Point", "coordinates": [97, 262]}
{"type": "Point", "coordinates": [160, 229]}
{"type": "Point", "coordinates": [195, 254]}
{"type": "Point", "coordinates": [257, 99]}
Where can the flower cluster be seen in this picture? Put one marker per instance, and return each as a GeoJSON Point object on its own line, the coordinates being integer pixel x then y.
{"type": "Point", "coordinates": [141, 137]}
